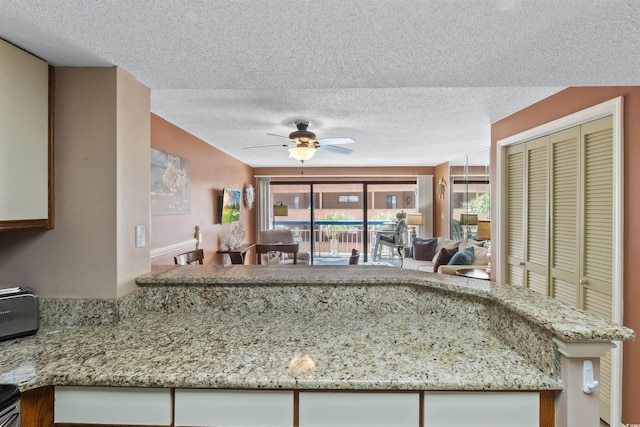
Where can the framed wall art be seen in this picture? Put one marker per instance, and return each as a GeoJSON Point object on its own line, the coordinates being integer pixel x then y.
{"type": "Point", "coordinates": [170, 184]}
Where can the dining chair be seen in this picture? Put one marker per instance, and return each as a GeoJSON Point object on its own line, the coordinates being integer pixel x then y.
{"type": "Point", "coordinates": [189, 257]}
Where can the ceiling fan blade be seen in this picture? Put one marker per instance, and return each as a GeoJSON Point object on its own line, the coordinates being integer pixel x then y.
{"type": "Point", "coordinates": [336, 149]}
{"type": "Point", "coordinates": [279, 136]}
{"type": "Point", "coordinates": [336, 140]}
{"type": "Point", "coordinates": [264, 146]}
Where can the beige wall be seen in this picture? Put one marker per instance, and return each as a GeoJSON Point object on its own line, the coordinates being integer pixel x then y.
{"type": "Point", "coordinates": [79, 258]}
{"type": "Point", "coordinates": [211, 171]}
{"type": "Point", "coordinates": [132, 180]}
{"type": "Point", "coordinates": [562, 104]}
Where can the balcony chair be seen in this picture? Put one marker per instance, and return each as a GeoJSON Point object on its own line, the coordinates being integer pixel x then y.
{"type": "Point", "coordinates": [395, 239]}
{"type": "Point", "coordinates": [281, 236]}
{"type": "Point", "coordinates": [457, 232]}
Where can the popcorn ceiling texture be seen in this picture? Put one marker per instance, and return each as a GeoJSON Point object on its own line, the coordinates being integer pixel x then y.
{"type": "Point", "coordinates": [362, 327]}
{"type": "Point", "coordinates": [438, 72]}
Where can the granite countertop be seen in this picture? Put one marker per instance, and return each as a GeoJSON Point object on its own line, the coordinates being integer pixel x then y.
{"type": "Point", "coordinates": [303, 327]}
{"type": "Point", "coordinates": [360, 352]}
{"type": "Point", "coordinates": [561, 320]}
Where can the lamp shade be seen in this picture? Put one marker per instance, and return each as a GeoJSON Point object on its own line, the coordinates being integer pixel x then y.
{"type": "Point", "coordinates": [302, 152]}
{"type": "Point", "coordinates": [415, 219]}
{"type": "Point", "coordinates": [469, 219]}
{"type": "Point", "coordinates": [280, 210]}
{"type": "Point", "coordinates": [484, 230]}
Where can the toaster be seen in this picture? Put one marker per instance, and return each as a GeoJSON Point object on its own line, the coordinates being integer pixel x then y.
{"type": "Point", "coordinates": [19, 313]}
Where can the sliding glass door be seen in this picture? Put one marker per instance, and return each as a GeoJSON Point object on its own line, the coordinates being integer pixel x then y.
{"type": "Point", "coordinates": [331, 219]}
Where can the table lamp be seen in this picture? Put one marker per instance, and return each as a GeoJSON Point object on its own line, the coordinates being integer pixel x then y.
{"type": "Point", "coordinates": [484, 230]}
{"type": "Point", "coordinates": [484, 233]}
{"type": "Point", "coordinates": [413, 220]}
{"type": "Point", "coordinates": [280, 209]}
{"type": "Point", "coordinates": [468, 219]}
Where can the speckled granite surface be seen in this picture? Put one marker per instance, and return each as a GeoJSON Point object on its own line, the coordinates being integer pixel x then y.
{"type": "Point", "coordinates": [352, 351]}
{"type": "Point", "coordinates": [373, 328]}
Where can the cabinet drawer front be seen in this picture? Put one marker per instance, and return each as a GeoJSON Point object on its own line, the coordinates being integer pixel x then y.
{"type": "Point", "coordinates": [233, 408]}
{"type": "Point", "coordinates": [482, 409]}
{"type": "Point", "coordinates": [113, 405]}
{"type": "Point", "coordinates": [359, 409]}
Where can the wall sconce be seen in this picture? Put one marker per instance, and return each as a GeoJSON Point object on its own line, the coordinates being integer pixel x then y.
{"type": "Point", "coordinates": [414, 219]}
{"type": "Point", "coordinates": [280, 209]}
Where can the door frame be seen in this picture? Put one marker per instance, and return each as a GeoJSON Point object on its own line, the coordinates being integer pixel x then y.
{"type": "Point", "coordinates": [613, 107]}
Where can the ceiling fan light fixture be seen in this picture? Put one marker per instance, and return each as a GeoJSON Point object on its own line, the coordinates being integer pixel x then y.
{"type": "Point", "coordinates": [302, 153]}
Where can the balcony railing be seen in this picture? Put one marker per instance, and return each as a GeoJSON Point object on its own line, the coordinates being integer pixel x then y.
{"type": "Point", "coordinates": [334, 238]}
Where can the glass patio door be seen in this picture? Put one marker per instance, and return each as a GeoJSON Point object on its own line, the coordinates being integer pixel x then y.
{"type": "Point", "coordinates": [337, 221]}
{"type": "Point", "coordinates": [330, 219]}
{"type": "Point", "coordinates": [297, 198]}
{"type": "Point", "coordinates": [384, 202]}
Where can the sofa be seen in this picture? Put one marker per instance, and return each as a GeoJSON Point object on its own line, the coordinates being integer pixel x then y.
{"type": "Point", "coordinates": [417, 258]}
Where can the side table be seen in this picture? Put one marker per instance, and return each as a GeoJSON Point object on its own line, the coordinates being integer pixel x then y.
{"type": "Point", "coordinates": [473, 273]}
{"type": "Point", "coordinates": [238, 254]}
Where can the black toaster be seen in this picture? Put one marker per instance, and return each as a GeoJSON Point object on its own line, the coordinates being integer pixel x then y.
{"type": "Point", "coordinates": [19, 313]}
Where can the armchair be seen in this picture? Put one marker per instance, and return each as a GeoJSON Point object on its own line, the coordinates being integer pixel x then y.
{"type": "Point", "coordinates": [282, 236]}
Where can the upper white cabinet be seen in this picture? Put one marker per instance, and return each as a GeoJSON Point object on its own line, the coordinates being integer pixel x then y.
{"type": "Point", "coordinates": [25, 140]}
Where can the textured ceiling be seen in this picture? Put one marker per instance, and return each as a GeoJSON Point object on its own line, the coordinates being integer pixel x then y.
{"type": "Point", "coordinates": [415, 82]}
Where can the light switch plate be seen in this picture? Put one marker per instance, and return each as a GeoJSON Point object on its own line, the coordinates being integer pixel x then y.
{"type": "Point", "coordinates": [140, 232]}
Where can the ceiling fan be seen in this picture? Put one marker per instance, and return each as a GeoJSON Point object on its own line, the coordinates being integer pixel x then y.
{"type": "Point", "coordinates": [306, 143]}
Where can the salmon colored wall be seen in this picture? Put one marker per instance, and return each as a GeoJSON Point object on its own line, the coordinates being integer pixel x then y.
{"type": "Point", "coordinates": [373, 173]}
{"type": "Point", "coordinates": [211, 171]}
{"type": "Point", "coordinates": [441, 205]}
{"type": "Point", "coordinates": [562, 104]}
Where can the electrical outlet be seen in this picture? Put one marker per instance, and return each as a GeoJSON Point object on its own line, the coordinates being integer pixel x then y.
{"type": "Point", "coordinates": [140, 236]}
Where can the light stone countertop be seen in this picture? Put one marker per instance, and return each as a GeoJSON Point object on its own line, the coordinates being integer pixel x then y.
{"type": "Point", "coordinates": [360, 352]}
{"type": "Point", "coordinates": [561, 320]}
{"type": "Point", "coordinates": [363, 328]}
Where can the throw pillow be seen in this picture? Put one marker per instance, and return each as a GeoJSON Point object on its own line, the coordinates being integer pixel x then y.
{"type": "Point", "coordinates": [463, 257]}
{"type": "Point", "coordinates": [424, 250]}
{"type": "Point", "coordinates": [444, 256]}
{"type": "Point", "coordinates": [444, 242]}
{"type": "Point", "coordinates": [479, 254]}
{"type": "Point", "coordinates": [420, 239]}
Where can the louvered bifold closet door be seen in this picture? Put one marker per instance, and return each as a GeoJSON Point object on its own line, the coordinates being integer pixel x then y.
{"type": "Point", "coordinates": [565, 216]}
{"type": "Point", "coordinates": [537, 217]}
{"type": "Point", "coordinates": [596, 278]}
{"type": "Point", "coordinates": [515, 214]}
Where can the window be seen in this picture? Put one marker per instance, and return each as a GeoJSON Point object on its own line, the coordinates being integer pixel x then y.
{"type": "Point", "coordinates": [349, 199]}
{"type": "Point", "coordinates": [294, 202]}
{"type": "Point", "coordinates": [392, 202]}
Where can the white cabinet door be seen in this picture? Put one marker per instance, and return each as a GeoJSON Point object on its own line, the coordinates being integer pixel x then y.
{"type": "Point", "coordinates": [24, 135]}
{"type": "Point", "coordinates": [237, 408]}
{"type": "Point", "coordinates": [481, 409]}
{"type": "Point", "coordinates": [113, 405]}
{"type": "Point", "coordinates": [321, 409]}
